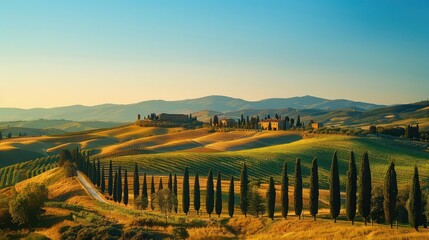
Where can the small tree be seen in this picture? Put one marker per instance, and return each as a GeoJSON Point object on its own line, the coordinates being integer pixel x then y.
{"type": "Point", "coordinates": [210, 194]}
{"type": "Point", "coordinates": [298, 189]}
{"type": "Point", "coordinates": [284, 197]}
{"type": "Point", "coordinates": [218, 194]}
{"type": "Point", "coordinates": [231, 197]}
{"type": "Point", "coordinates": [351, 189]}
{"type": "Point", "coordinates": [170, 182]}
{"type": "Point", "coordinates": [377, 199]}
{"type": "Point", "coordinates": [103, 181]}
{"type": "Point", "coordinates": [244, 181]}
{"type": "Point", "coordinates": [152, 193]}
{"type": "Point", "coordinates": [165, 200]}
{"type": "Point", "coordinates": [115, 187]}
{"type": "Point", "coordinates": [314, 189]}
{"type": "Point", "coordinates": [119, 186]}
{"type": "Point", "coordinates": [185, 192]}
{"type": "Point", "coordinates": [126, 188]}
{"type": "Point", "coordinates": [271, 198]}
{"type": "Point", "coordinates": [69, 169]}
{"type": "Point", "coordinates": [110, 181]}
{"type": "Point", "coordinates": [136, 181]}
{"type": "Point", "coordinates": [415, 201]}
{"type": "Point", "coordinates": [365, 188]}
{"type": "Point", "coordinates": [26, 206]}
{"type": "Point", "coordinates": [197, 197]}
{"type": "Point", "coordinates": [256, 202]}
{"type": "Point", "coordinates": [160, 186]}
{"type": "Point", "coordinates": [390, 192]}
{"type": "Point", "coordinates": [98, 175]}
{"type": "Point", "coordinates": [334, 189]}
{"type": "Point", "coordinates": [145, 196]}
{"type": "Point", "coordinates": [175, 191]}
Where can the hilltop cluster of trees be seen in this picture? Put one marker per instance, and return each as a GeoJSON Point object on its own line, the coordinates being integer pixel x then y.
{"type": "Point", "coordinates": [253, 122]}
{"type": "Point", "coordinates": [370, 203]}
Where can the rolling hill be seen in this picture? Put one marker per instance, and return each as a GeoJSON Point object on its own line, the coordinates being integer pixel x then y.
{"type": "Point", "coordinates": [127, 112]}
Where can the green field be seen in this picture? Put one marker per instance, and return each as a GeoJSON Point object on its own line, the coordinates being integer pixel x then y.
{"type": "Point", "coordinates": [267, 161]}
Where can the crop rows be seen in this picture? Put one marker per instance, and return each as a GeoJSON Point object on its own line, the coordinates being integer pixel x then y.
{"type": "Point", "coordinates": [13, 174]}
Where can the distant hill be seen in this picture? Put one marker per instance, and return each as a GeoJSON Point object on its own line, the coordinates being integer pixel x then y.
{"type": "Point", "coordinates": [49, 127]}
{"type": "Point", "coordinates": [127, 112]}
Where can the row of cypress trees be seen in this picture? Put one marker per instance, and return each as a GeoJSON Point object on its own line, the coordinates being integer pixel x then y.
{"type": "Point", "coordinates": [358, 190]}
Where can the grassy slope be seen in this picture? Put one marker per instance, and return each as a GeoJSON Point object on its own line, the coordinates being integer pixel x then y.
{"type": "Point", "coordinates": [70, 205]}
{"type": "Point", "coordinates": [267, 161]}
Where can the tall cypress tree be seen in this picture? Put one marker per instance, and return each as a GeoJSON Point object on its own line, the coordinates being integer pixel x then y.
{"type": "Point", "coordinates": [218, 194]}
{"type": "Point", "coordinates": [334, 189]}
{"type": "Point", "coordinates": [390, 193]}
{"type": "Point", "coordinates": [144, 191]}
{"type": "Point", "coordinates": [197, 196]}
{"type": "Point", "coordinates": [110, 181]}
{"type": "Point", "coordinates": [284, 197]}
{"type": "Point", "coordinates": [119, 188]}
{"type": "Point", "coordinates": [103, 181]}
{"type": "Point", "coordinates": [175, 191]}
{"type": "Point", "coordinates": [94, 173]}
{"type": "Point", "coordinates": [351, 188]}
{"type": "Point", "coordinates": [160, 186]}
{"type": "Point", "coordinates": [152, 193]}
{"type": "Point", "coordinates": [170, 183]}
{"type": "Point", "coordinates": [136, 181]}
{"type": "Point", "coordinates": [365, 188]}
{"type": "Point", "coordinates": [298, 188]}
{"type": "Point", "coordinates": [231, 197]}
{"type": "Point", "coordinates": [115, 187]}
{"type": "Point", "coordinates": [210, 194]}
{"type": "Point", "coordinates": [185, 192]}
{"type": "Point", "coordinates": [98, 178]}
{"type": "Point", "coordinates": [415, 201]}
{"type": "Point", "coordinates": [126, 187]}
{"type": "Point", "coordinates": [314, 189]}
{"type": "Point", "coordinates": [271, 198]}
{"type": "Point", "coordinates": [244, 182]}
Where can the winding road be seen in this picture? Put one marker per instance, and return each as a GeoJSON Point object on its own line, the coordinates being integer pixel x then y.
{"type": "Point", "coordinates": [89, 187]}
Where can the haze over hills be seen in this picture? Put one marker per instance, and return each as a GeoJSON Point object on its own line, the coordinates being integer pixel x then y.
{"type": "Point", "coordinates": [127, 112]}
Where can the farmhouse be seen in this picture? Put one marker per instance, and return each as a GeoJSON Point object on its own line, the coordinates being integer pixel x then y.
{"type": "Point", "coordinates": [227, 122]}
{"type": "Point", "coordinates": [272, 124]}
{"type": "Point", "coordinates": [316, 125]}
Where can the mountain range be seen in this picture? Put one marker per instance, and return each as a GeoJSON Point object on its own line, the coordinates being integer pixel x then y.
{"type": "Point", "coordinates": [223, 104]}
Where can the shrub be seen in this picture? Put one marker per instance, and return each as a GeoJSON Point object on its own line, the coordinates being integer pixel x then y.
{"type": "Point", "coordinates": [180, 233]}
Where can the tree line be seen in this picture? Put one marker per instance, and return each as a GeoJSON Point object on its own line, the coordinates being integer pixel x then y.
{"type": "Point", "coordinates": [358, 198]}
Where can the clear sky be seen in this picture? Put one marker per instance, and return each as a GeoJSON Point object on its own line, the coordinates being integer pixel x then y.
{"type": "Point", "coordinates": [56, 53]}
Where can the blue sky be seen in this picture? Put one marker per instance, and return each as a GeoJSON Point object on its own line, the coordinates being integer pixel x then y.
{"type": "Point", "coordinates": [55, 53]}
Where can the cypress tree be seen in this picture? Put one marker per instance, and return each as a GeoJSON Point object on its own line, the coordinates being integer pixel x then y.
{"type": "Point", "coordinates": [175, 191]}
{"type": "Point", "coordinates": [415, 201]}
{"type": "Point", "coordinates": [103, 181]}
{"type": "Point", "coordinates": [170, 183]}
{"type": "Point", "coordinates": [160, 186]}
{"type": "Point", "coordinates": [197, 196]}
{"type": "Point", "coordinates": [185, 192]}
{"type": "Point", "coordinates": [390, 193]}
{"type": "Point", "coordinates": [110, 181]}
{"type": "Point", "coordinates": [152, 193]}
{"type": "Point", "coordinates": [218, 194]}
{"type": "Point", "coordinates": [94, 173]}
{"type": "Point", "coordinates": [126, 188]}
{"type": "Point", "coordinates": [271, 198]}
{"type": "Point", "coordinates": [231, 197]}
{"type": "Point", "coordinates": [284, 197]}
{"type": "Point", "coordinates": [334, 189]}
{"type": "Point", "coordinates": [365, 188]}
{"type": "Point", "coordinates": [210, 194]}
{"type": "Point", "coordinates": [136, 181]}
{"type": "Point", "coordinates": [119, 188]}
{"type": "Point", "coordinates": [98, 179]}
{"type": "Point", "coordinates": [244, 182]}
{"type": "Point", "coordinates": [298, 188]}
{"type": "Point", "coordinates": [144, 191]}
{"type": "Point", "coordinates": [351, 189]}
{"type": "Point", "coordinates": [115, 187]}
{"type": "Point", "coordinates": [314, 189]}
